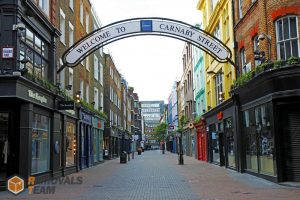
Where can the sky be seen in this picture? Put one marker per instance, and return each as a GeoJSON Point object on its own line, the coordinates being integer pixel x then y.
{"type": "Point", "coordinates": [150, 64]}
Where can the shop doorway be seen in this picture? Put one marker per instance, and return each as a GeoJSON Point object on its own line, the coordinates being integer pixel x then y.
{"type": "Point", "coordinates": [8, 148]}
{"type": "Point", "coordinates": [4, 145]}
{"type": "Point", "coordinates": [289, 123]}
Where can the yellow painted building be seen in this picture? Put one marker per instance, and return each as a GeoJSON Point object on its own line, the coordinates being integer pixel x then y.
{"type": "Point", "coordinates": [217, 20]}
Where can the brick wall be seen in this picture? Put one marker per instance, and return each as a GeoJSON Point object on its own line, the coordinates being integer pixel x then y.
{"type": "Point", "coordinates": [259, 17]}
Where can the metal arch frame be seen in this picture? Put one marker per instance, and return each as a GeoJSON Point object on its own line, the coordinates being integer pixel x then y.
{"type": "Point", "coordinates": [142, 33]}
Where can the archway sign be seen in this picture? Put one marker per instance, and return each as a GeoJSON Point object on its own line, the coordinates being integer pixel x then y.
{"type": "Point", "coordinates": [145, 26]}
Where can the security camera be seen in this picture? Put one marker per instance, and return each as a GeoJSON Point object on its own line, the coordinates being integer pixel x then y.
{"type": "Point", "coordinates": [19, 26]}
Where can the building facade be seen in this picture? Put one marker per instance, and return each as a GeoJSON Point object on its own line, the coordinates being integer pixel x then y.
{"type": "Point", "coordinates": [268, 103]}
{"type": "Point", "coordinates": [113, 132]}
{"type": "Point", "coordinates": [189, 103]}
{"type": "Point", "coordinates": [219, 117]}
{"type": "Point", "coordinates": [151, 111]}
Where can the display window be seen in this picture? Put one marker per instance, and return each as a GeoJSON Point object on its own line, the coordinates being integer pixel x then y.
{"type": "Point", "coordinates": [40, 144]}
{"type": "Point", "coordinates": [70, 144]}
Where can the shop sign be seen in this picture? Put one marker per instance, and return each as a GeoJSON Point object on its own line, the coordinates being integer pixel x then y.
{"type": "Point", "coordinates": [37, 96]}
{"type": "Point", "coordinates": [66, 105]}
{"type": "Point", "coordinates": [220, 115]}
{"type": "Point", "coordinates": [86, 118]}
{"type": "Point", "coordinates": [7, 52]}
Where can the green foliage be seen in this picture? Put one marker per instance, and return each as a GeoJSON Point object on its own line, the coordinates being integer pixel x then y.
{"type": "Point", "coordinates": [183, 121]}
{"type": "Point", "coordinates": [91, 108]}
{"type": "Point", "coordinates": [293, 60]}
{"type": "Point", "coordinates": [197, 120]}
{"type": "Point", "coordinates": [241, 80]}
{"type": "Point", "coordinates": [160, 131]}
{"type": "Point", "coordinates": [279, 63]}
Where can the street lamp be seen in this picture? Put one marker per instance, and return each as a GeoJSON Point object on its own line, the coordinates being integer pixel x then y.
{"type": "Point", "coordinates": [263, 36]}
{"type": "Point", "coordinates": [180, 160]}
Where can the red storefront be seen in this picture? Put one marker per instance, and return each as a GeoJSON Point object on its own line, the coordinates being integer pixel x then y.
{"type": "Point", "coordinates": [201, 140]}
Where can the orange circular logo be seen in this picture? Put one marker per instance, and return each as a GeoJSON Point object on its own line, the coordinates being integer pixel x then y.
{"type": "Point", "coordinates": [15, 184]}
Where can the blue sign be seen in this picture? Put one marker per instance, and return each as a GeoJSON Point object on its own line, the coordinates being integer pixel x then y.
{"type": "Point", "coordinates": [146, 25]}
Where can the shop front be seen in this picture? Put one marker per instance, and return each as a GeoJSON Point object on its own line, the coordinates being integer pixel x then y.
{"type": "Point", "coordinates": [97, 133]}
{"type": "Point", "coordinates": [201, 140]}
{"type": "Point", "coordinates": [221, 135]}
{"type": "Point", "coordinates": [31, 131]}
{"type": "Point", "coordinates": [270, 126]}
{"type": "Point", "coordinates": [85, 140]}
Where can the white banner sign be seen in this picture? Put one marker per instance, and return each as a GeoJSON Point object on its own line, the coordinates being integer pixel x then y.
{"type": "Point", "coordinates": [164, 27]}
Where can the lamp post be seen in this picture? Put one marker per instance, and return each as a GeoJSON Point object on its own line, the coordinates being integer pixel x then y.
{"type": "Point", "coordinates": [180, 161]}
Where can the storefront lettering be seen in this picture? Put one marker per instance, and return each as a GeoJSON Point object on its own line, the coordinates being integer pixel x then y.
{"type": "Point", "coordinates": [37, 96]}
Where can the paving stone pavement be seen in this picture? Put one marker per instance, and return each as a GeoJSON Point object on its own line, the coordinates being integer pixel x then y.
{"type": "Point", "coordinates": [154, 176]}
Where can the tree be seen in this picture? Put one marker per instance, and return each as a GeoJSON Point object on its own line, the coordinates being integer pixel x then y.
{"type": "Point", "coordinates": [160, 131]}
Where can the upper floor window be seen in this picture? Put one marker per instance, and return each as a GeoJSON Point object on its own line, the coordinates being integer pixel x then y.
{"type": "Point", "coordinates": [62, 21]}
{"type": "Point", "coordinates": [44, 5]}
{"type": "Point", "coordinates": [71, 4]}
{"type": "Point", "coordinates": [96, 68]}
{"type": "Point", "coordinates": [243, 59]}
{"type": "Point", "coordinates": [87, 18]}
{"type": "Point", "coordinates": [217, 32]}
{"type": "Point", "coordinates": [81, 12]}
{"type": "Point", "coordinates": [35, 49]}
{"type": "Point", "coordinates": [287, 37]}
{"type": "Point", "coordinates": [219, 88]}
{"type": "Point", "coordinates": [240, 8]}
{"type": "Point", "coordinates": [71, 34]}
{"type": "Point", "coordinates": [256, 49]}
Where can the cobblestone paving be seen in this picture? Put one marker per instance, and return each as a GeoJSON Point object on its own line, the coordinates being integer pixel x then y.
{"type": "Point", "coordinates": [148, 176]}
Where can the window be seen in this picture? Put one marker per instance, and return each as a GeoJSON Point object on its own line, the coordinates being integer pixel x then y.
{"type": "Point", "coordinates": [44, 5]}
{"type": "Point", "coordinates": [40, 144]}
{"type": "Point", "coordinates": [256, 49]}
{"type": "Point", "coordinates": [36, 51]}
{"type": "Point", "coordinates": [71, 34]}
{"type": "Point", "coordinates": [70, 142]}
{"type": "Point", "coordinates": [240, 8]}
{"type": "Point", "coordinates": [101, 73]}
{"type": "Point", "coordinates": [62, 20]}
{"type": "Point", "coordinates": [217, 32]}
{"type": "Point", "coordinates": [243, 60]}
{"type": "Point", "coordinates": [96, 68]}
{"type": "Point", "coordinates": [96, 98]}
{"type": "Point", "coordinates": [71, 4]}
{"type": "Point", "coordinates": [70, 82]}
{"type": "Point", "coordinates": [87, 93]}
{"type": "Point", "coordinates": [81, 89]}
{"type": "Point", "coordinates": [81, 12]}
{"type": "Point", "coordinates": [219, 88]}
{"type": "Point", "coordinates": [225, 23]}
{"type": "Point", "coordinates": [213, 4]}
{"type": "Point", "coordinates": [87, 23]}
{"type": "Point", "coordinates": [259, 140]}
{"type": "Point", "coordinates": [287, 37]}
{"type": "Point", "coordinates": [62, 76]}
{"type": "Point", "coordinates": [87, 64]}
{"type": "Point", "coordinates": [101, 101]}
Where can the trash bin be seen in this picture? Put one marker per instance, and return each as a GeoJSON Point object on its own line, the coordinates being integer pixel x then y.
{"type": "Point", "coordinates": [123, 157]}
{"type": "Point", "coordinates": [139, 151]}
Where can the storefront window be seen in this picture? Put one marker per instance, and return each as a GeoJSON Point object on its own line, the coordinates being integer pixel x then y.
{"type": "Point", "coordinates": [215, 144]}
{"type": "Point", "coordinates": [230, 142]}
{"type": "Point", "coordinates": [101, 145]}
{"type": "Point", "coordinates": [96, 145]}
{"type": "Point", "coordinates": [70, 144]}
{"type": "Point", "coordinates": [40, 144]}
{"type": "Point", "coordinates": [259, 140]}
